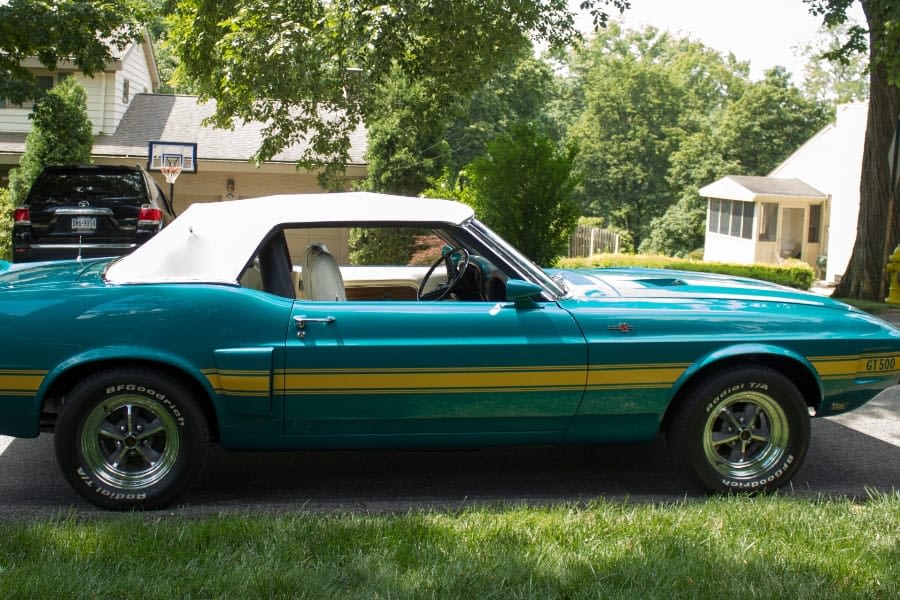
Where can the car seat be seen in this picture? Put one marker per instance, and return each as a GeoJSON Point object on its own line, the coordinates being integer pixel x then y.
{"type": "Point", "coordinates": [322, 278]}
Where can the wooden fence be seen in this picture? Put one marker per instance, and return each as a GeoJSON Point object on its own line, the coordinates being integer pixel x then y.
{"type": "Point", "coordinates": [587, 241]}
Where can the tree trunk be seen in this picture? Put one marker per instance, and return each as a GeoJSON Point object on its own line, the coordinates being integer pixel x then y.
{"type": "Point", "coordinates": [879, 208]}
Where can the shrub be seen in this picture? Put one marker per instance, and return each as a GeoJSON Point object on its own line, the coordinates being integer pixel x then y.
{"type": "Point", "coordinates": [6, 223]}
{"type": "Point", "coordinates": [795, 273]}
{"type": "Point", "coordinates": [60, 135]}
{"type": "Point", "coordinates": [522, 188]}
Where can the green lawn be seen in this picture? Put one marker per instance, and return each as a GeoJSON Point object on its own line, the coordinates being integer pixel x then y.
{"type": "Point", "coordinates": [766, 547]}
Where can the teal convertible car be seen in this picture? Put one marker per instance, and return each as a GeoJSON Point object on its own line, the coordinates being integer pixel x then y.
{"type": "Point", "coordinates": [262, 324]}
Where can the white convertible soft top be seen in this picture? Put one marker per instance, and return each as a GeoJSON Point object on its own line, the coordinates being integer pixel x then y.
{"type": "Point", "coordinates": [212, 242]}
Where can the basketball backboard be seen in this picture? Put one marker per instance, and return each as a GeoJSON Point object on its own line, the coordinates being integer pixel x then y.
{"type": "Point", "coordinates": [172, 154]}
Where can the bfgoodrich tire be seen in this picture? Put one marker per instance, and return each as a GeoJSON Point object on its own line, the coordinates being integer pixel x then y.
{"type": "Point", "coordinates": [745, 429]}
{"type": "Point", "coordinates": [130, 438]}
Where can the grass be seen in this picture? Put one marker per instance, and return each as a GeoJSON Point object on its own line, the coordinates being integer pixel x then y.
{"type": "Point", "coordinates": [766, 547]}
{"type": "Point", "coordinates": [869, 306]}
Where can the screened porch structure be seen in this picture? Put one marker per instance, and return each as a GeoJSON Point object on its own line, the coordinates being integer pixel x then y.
{"type": "Point", "coordinates": [764, 220]}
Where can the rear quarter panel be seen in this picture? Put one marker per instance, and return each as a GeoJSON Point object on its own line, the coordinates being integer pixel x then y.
{"type": "Point", "coordinates": [48, 332]}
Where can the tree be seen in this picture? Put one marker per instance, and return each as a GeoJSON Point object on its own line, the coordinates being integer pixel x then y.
{"type": "Point", "coordinates": [699, 160]}
{"type": "Point", "coordinates": [769, 121]}
{"type": "Point", "coordinates": [311, 69]}
{"type": "Point", "coordinates": [749, 135]}
{"type": "Point", "coordinates": [522, 188]}
{"type": "Point", "coordinates": [643, 93]}
{"type": "Point", "coordinates": [60, 134]}
{"type": "Point", "coordinates": [834, 81]}
{"type": "Point", "coordinates": [520, 93]}
{"type": "Point", "coordinates": [406, 144]}
{"type": "Point", "coordinates": [879, 208]}
{"type": "Point", "coordinates": [84, 31]}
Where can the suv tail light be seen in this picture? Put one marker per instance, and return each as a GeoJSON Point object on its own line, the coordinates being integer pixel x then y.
{"type": "Point", "coordinates": [22, 215]}
{"type": "Point", "coordinates": [149, 216]}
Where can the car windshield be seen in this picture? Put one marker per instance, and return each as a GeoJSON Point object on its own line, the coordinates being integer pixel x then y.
{"type": "Point", "coordinates": [517, 260]}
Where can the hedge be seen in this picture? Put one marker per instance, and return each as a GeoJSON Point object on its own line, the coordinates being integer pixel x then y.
{"type": "Point", "coordinates": [793, 273]}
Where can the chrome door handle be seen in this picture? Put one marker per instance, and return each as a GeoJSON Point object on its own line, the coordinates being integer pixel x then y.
{"type": "Point", "coordinates": [301, 320]}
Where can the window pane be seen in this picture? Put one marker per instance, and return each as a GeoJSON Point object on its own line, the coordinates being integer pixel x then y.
{"type": "Point", "coordinates": [747, 227]}
{"type": "Point", "coordinates": [768, 222]}
{"type": "Point", "coordinates": [736, 216]}
{"type": "Point", "coordinates": [815, 220]}
{"type": "Point", "coordinates": [725, 217]}
{"type": "Point", "coordinates": [714, 215]}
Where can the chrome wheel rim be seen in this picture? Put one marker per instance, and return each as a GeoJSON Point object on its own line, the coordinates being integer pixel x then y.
{"type": "Point", "coordinates": [746, 435]}
{"type": "Point", "coordinates": [129, 442]}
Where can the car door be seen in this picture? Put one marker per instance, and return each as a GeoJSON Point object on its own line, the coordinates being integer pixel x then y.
{"type": "Point", "coordinates": [372, 373]}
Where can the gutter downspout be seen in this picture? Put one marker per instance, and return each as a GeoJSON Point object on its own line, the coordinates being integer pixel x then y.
{"type": "Point", "coordinates": [102, 126]}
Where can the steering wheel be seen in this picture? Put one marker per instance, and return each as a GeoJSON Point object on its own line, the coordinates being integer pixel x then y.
{"type": "Point", "coordinates": [455, 272]}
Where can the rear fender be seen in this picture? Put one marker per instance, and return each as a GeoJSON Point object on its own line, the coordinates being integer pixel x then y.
{"type": "Point", "coordinates": [60, 379]}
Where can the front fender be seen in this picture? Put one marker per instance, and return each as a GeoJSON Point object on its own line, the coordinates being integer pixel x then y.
{"type": "Point", "coordinates": [727, 354]}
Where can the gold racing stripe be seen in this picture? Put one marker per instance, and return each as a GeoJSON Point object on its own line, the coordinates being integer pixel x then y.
{"type": "Point", "coordinates": [459, 380]}
{"type": "Point", "coordinates": [637, 376]}
{"type": "Point", "coordinates": [240, 383]}
{"type": "Point", "coordinates": [18, 383]}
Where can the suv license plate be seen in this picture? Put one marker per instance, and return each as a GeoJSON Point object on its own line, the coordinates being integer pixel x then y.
{"type": "Point", "coordinates": [84, 223]}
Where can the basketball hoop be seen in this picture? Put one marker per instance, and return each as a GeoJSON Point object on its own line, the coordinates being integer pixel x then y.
{"type": "Point", "coordinates": [171, 173]}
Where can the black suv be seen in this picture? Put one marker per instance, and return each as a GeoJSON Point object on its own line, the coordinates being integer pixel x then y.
{"type": "Point", "coordinates": [88, 211]}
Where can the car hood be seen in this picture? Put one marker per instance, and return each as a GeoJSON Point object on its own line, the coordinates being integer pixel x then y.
{"type": "Point", "coordinates": [682, 285]}
{"type": "Point", "coordinates": [50, 274]}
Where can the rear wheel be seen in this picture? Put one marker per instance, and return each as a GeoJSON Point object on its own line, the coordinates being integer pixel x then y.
{"type": "Point", "coordinates": [130, 438]}
{"type": "Point", "coordinates": [744, 429]}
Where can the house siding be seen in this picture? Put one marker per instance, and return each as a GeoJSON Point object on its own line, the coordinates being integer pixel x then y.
{"type": "Point", "coordinates": [832, 161]}
{"type": "Point", "coordinates": [134, 71]}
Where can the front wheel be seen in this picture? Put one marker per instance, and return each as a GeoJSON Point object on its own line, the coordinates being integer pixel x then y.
{"type": "Point", "coordinates": [744, 429]}
{"type": "Point", "coordinates": [130, 438]}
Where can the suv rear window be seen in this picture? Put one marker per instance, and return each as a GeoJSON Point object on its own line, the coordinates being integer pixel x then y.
{"type": "Point", "coordinates": [60, 188]}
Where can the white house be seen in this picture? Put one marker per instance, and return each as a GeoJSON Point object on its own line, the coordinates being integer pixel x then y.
{"type": "Point", "coordinates": [109, 92]}
{"type": "Point", "coordinates": [806, 208]}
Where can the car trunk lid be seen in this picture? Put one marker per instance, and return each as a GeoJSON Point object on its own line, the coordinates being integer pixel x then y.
{"type": "Point", "coordinates": [50, 274]}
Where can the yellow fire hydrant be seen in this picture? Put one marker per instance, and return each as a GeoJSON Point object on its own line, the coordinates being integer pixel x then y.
{"type": "Point", "coordinates": [893, 269]}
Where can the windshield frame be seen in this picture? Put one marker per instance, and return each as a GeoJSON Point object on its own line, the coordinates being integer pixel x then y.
{"type": "Point", "coordinates": [515, 259]}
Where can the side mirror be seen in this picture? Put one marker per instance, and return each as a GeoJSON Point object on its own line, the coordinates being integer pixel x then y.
{"type": "Point", "coordinates": [522, 292]}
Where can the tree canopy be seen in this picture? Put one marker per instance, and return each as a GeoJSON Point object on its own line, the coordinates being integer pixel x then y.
{"type": "Point", "coordinates": [311, 69]}
{"type": "Point", "coordinates": [84, 31]}
{"type": "Point", "coordinates": [657, 116]}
